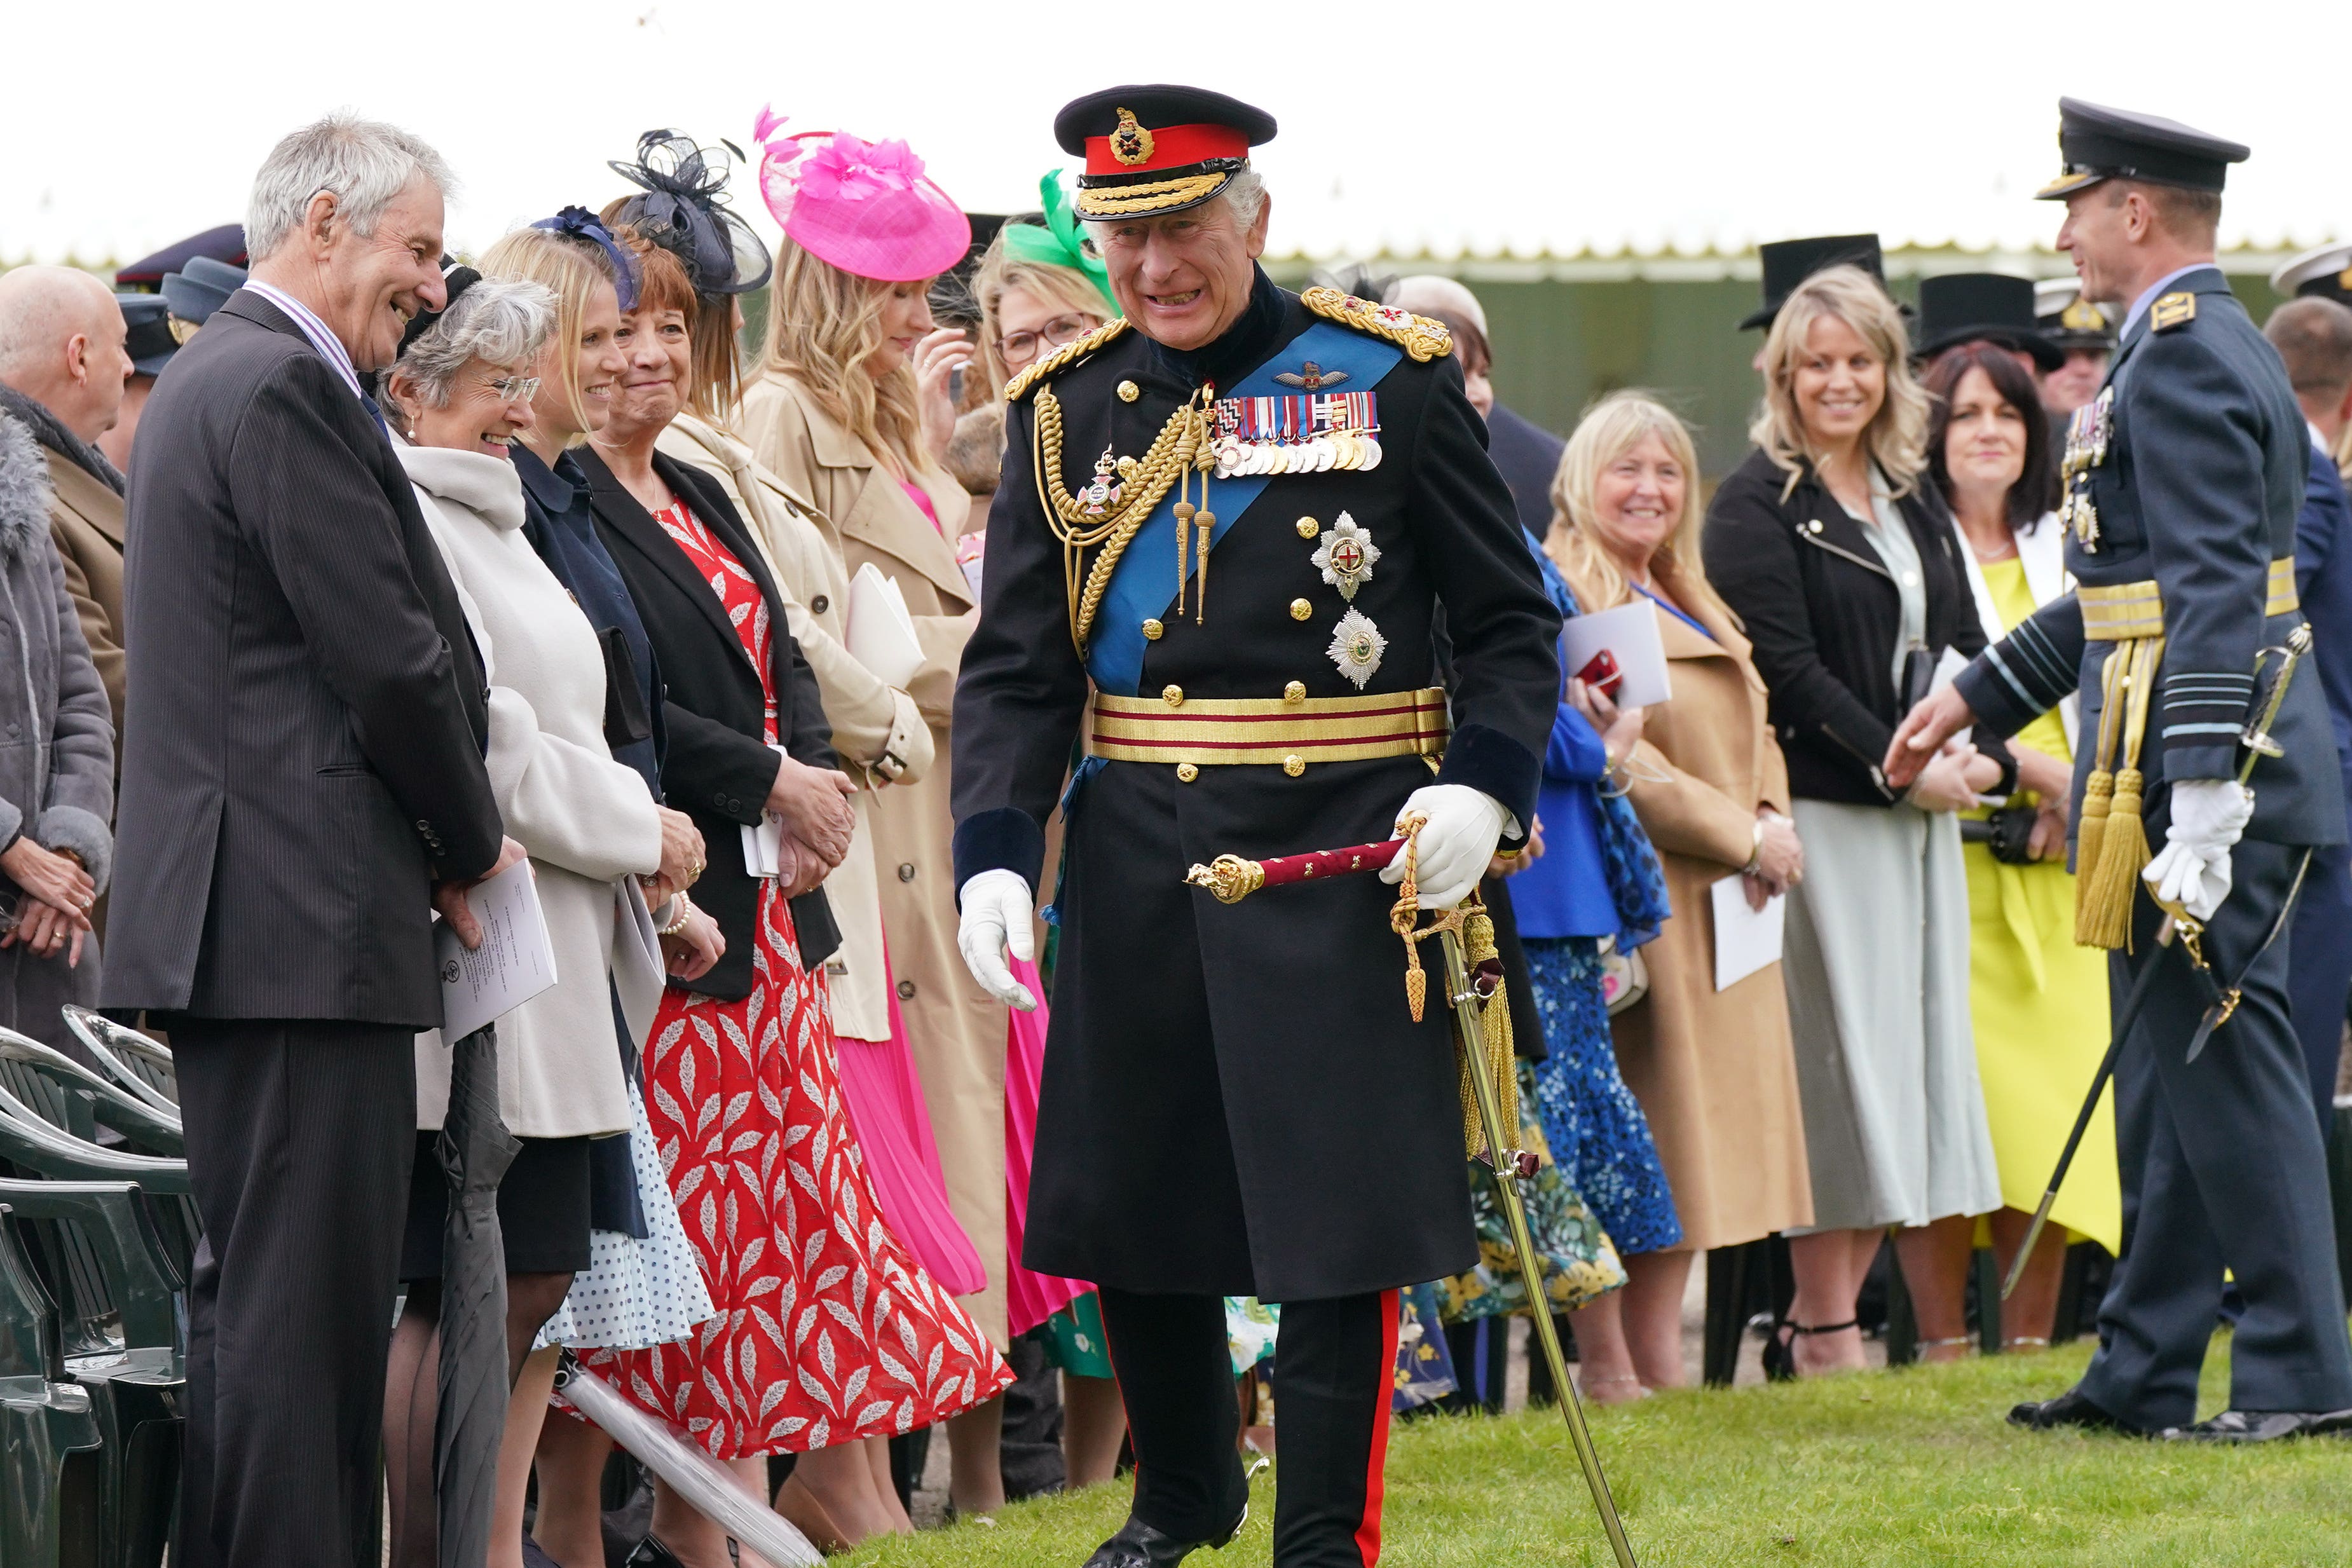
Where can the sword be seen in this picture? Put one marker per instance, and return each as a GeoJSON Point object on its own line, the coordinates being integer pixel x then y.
{"type": "Point", "coordinates": [1232, 878]}
{"type": "Point", "coordinates": [2221, 1002]}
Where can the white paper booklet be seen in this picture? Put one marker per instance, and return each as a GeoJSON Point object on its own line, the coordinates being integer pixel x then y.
{"type": "Point", "coordinates": [514, 961]}
{"type": "Point", "coordinates": [1629, 633]}
{"type": "Point", "coordinates": [1744, 939]}
{"type": "Point", "coordinates": [881, 634]}
{"type": "Point", "coordinates": [763, 846]}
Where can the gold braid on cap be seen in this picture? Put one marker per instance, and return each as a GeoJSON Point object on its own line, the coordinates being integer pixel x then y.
{"type": "Point", "coordinates": [1418, 336]}
{"type": "Point", "coordinates": [1060, 358]}
{"type": "Point", "coordinates": [1149, 197]}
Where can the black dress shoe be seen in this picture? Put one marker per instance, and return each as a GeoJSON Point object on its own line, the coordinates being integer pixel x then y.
{"type": "Point", "coordinates": [2071, 1408]}
{"type": "Point", "coordinates": [1138, 1545]}
{"type": "Point", "coordinates": [652, 1554]}
{"type": "Point", "coordinates": [2261, 1426]}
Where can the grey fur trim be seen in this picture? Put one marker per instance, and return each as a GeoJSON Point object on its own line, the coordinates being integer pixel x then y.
{"type": "Point", "coordinates": [26, 497]}
{"type": "Point", "coordinates": [71, 827]}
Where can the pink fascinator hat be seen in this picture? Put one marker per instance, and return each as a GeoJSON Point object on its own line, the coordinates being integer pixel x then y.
{"type": "Point", "coordinates": [864, 206]}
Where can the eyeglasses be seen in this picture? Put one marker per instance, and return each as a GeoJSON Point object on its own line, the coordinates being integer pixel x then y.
{"type": "Point", "coordinates": [1061, 329]}
{"type": "Point", "coordinates": [514, 389]}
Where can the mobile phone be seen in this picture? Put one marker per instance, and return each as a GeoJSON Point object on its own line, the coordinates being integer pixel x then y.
{"type": "Point", "coordinates": [1601, 673]}
{"type": "Point", "coordinates": [955, 385]}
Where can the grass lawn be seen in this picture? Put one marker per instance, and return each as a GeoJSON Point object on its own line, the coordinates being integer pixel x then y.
{"type": "Point", "coordinates": [1910, 1467]}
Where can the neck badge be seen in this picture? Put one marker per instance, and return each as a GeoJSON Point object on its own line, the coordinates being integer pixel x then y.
{"type": "Point", "coordinates": [1097, 498]}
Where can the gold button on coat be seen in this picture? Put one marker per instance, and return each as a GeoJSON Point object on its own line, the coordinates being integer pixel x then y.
{"type": "Point", "coordinates": [1129, 391]}
{"type": "Point", "coordinates": [1173, 696]}
{"type": "Point", "coordinates": [1300, 610]}
{"type": "Point", "coordinates": [1186, 772]}
{"type": "Point", "coordinates": [1295, 692]}
{"type": "Point", "coordinates": [1308, 528]}
{"type": "Point", "coordinates": [1152, 631]}
{"type": "Point", "coordinates": [1294, 765]}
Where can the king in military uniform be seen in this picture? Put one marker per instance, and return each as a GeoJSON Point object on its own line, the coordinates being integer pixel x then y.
{"type": "Point", "coordinates": [2183, 478]}
{"type": "Point", "coordinates": [1232, 529]}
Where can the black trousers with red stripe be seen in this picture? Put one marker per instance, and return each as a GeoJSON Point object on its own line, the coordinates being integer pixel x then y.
{"type": "Point", "coordinates": [1333, 1375]}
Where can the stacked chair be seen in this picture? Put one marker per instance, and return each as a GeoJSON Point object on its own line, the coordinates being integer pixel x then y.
{"type": "Point", "coordinates": [96, 1245]}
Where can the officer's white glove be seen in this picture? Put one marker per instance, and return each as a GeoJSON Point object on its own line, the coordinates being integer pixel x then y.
{"type": "Point", "coordinates": [1463, 827]}
{"type": "Point", "coordinates": [2192, 869]}
{"type": "Point", "coordinates": [997, 914]}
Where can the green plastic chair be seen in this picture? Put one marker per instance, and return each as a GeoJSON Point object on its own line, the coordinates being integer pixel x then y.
{"type": "Point", "coordinates": [50, 1441]}
{"type": "Point", "coordinates": [35, 1072]}
{"type": "Point", "coordinates": [141, 1065]}
{"type": "Point", "coordinates": [136, 1386]}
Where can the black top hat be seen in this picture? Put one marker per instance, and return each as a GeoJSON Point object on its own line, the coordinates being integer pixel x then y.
{"type": "Point", "coordinates": [2325, 271]}
{"type": "Point", "coordinates": [2102, 144]}
{"type": "Point", "coordinates": [2068, 320]}
{"type": "Point", "coordinates": [1157, 149]}
{"type": "Point", "coordinates": [150, 340]}
{"type": "Point", "coordinates": [1789, 262]}
{"type": "Point", "coordinates": [225, 242]}
{"type": "Point", "coordinates": [1983, 307]}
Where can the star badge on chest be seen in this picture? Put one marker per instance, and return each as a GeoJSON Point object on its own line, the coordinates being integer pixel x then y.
{"type": "Point", "coordinates": [1356, 648]}
{"type": "Point", "coordinates": [1346, 556]}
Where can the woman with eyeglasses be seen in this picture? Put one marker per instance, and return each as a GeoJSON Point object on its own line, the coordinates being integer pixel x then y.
{"type": "Point", "coordinates": [462, 393]}
{"type": "Point", "coordinates": [1040, 287]}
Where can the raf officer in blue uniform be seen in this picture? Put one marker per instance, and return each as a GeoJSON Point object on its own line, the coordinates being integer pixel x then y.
{"type": "Point", "coordinates": [2313, 334]}
{"type": "Point", "coordinates": [2184, 477]}
{"type": "Point", "coordinates": [1228, 524]}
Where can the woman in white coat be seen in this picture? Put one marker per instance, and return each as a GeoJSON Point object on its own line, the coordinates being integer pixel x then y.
{"type": "Point", "coordinates": [462, 393]}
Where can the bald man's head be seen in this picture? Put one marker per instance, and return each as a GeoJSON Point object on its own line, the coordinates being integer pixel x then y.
{"type": "Point", "coordinates": [61, 338]}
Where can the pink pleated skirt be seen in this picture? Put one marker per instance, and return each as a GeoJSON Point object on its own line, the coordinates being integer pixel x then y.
{"type": "Point", "coordinates": [884, 1100]}
{"type": "Point", "coordinates": [1030, 1297]}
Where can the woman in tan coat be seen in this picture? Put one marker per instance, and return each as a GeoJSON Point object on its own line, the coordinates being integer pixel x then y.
{"type": "Point", "coordinates": [1713, 1070]}
{"type": "Point", "coordinates": [850, 409]}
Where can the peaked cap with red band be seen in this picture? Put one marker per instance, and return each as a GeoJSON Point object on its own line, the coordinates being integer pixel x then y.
{"type": "Point", "coordinates": [1158, 148]}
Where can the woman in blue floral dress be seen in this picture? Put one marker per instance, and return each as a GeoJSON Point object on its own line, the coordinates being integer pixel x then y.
{"type": "Point", "coordinates": [1597, 888]}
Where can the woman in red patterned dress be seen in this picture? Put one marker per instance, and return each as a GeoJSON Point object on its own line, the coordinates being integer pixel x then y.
{"type": "Point", "coordinates": [829, 1337]}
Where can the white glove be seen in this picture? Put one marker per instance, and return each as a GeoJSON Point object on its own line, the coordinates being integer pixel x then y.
{"type": "Point", "coordinates": [2192, 869]}
{"type": "Point", "coordinates": [1463, 827]}
{"type": "Point", "coordinates": [997, 914]}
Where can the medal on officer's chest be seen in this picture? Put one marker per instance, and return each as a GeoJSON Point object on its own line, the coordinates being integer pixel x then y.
{"type": "Point", "coordinates": [1346, 555]}
{"type": "Point", "coordinates": [1356, 648]}
{"type": "Point", "coordinates": [2088, 430]}
{"type": "Point", "coordinates": [1307, 432]}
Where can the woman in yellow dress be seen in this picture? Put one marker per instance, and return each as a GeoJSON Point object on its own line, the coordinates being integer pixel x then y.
{"type": "Point", "coordinates": [2040, 1002]}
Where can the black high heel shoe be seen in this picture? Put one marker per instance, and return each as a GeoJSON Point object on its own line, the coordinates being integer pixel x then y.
{"type": "Point", "coordinates": [652, 1554]}
{"type": "Point", "coordinates": [1780, 1349]}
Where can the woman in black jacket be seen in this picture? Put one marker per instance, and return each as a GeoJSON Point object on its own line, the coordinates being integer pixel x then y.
{"type": "Point", "coordinates": [1849, 580]}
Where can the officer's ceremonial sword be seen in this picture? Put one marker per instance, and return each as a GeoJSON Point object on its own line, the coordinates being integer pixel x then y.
{"type": "Point", "coordinates": [2257, 739]}
{"type": "Point", "coordinates": [1232, 878]}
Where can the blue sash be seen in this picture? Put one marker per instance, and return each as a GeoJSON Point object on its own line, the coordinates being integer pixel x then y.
{"type": "Point", "coordinates": [1139, 585]}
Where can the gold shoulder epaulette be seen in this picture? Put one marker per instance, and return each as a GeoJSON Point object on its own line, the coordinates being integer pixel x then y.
{"type": "Point", "coordinates": [2170, 311]}
{"type": "Point", "coordinates": [1067, 354]}
{"type": "Point", "coordinates": [1419, 336]}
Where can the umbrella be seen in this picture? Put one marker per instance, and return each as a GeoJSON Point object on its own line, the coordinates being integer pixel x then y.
{"type": "Point", "coordinates": [700, 1481]}
{"type": "Point", "coordinates": [475, 1149]}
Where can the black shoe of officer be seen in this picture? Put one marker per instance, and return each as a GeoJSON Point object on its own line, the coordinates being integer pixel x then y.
{"type": "Point", "coordinates": [1138, 1545]}
{"type": "Point", "coordinates": [2071, 1408]}
{"type": "Point", "coordinates": [2261, 1426]}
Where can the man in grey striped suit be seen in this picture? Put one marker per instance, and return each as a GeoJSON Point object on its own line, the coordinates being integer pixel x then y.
{"type": "Point", "coordinates": [303, 780]}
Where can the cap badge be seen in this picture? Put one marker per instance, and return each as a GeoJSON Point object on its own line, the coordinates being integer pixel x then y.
{"type": "Point", "coordinates": [1311, 377]}
{"type": "Point", "coordinates": [1130, 143]}
{"type": "Point", "coordinates": [1346, 555]}
{"type": "Point", "coordinates": [2082, 316]}
{"type": "Point", "coordinates": [2343, 280]}
{"type": "Point", "coordinates": [1356, 648]}
{"type": "Point", "coordinates": [182, 331]}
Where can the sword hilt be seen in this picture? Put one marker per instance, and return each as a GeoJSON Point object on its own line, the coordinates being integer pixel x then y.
{"type": "Point", "coordinates": [2256, 736]}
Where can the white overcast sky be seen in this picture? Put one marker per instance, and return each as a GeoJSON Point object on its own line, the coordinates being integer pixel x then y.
{"type": "Point", "coordinates": [1490, 128]}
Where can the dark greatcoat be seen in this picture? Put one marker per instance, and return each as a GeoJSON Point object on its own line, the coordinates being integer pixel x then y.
{"type": "Point", "coordinates": [1235, 1098]}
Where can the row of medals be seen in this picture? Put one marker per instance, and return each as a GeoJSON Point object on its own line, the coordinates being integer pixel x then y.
{"type": "Point", "coordinates": [1357, 451]}
{"type": "Point", "coordinates": [2088, 430]}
